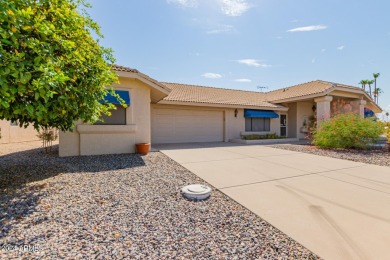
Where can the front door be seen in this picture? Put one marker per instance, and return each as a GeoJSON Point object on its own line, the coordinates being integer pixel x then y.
{"type": "Point", "coordinates": [283, 125]}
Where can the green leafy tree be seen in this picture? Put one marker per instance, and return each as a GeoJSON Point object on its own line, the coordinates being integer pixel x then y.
{"type": "Point", "coordinates": [53, 70]}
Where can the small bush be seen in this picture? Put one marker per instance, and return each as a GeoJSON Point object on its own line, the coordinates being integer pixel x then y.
{"type": "Point", "coordinates": [261, 137]}
{"type": "Point", "coordinates": [47, 136]}
{"type": "Point", "coordinates": [347, 131]}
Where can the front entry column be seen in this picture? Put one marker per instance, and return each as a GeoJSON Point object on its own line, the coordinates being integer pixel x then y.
{"type": "Point", "coordinates": [323, 108]}
{"type": "Point", "coordinates": [362, 104]}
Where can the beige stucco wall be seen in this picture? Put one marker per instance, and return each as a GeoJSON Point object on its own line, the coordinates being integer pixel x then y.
{"type": "Point", "coordinates": [113, 139]}
{"type": "Point", "coordinates": [16, 134]}
{"type": "Point", "coordinates": [5, 127]}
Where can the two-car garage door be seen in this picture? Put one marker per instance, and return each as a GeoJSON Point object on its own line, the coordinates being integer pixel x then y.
{"type": "Point", "coordinates": [186, 125]}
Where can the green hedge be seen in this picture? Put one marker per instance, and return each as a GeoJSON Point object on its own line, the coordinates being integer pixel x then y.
{"type": "Point", "coordinates": [347, 131]}
{"type": "Point", "coordinates": [260, 137]}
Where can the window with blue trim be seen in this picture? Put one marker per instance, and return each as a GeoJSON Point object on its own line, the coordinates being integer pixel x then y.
{"type": "Point", "coordinates": [118, 115]}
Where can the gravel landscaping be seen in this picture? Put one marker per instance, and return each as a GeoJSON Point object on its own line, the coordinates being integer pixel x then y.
{"type": "Point", "coordinates": [123, 206]}
{"type": "Point", "coordinates": [373, 156]}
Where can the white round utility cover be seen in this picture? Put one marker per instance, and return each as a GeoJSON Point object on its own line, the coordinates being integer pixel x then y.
{"type": "Point", "coordinates": [196, 192]}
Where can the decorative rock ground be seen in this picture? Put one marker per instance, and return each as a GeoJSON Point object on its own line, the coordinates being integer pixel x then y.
{"type": "Point", "coordinates": [124, 206]}
{"type": "Point", "coordinates": [373, 156]}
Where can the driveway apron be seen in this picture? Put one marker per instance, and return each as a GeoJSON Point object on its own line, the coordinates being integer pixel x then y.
{"type": "Point", "coordinates": [336, 208]}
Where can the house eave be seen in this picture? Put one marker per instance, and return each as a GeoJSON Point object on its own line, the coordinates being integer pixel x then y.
{"type": "Point", "coordinates": [300, 98]}
{"type": "Point", "coordinates": [158, 91]}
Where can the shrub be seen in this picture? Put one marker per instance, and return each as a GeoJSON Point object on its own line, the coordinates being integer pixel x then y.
{"type": "Point", "coordinates": [312, 128]}
{"type": "Point", "coordinates": [347, 131]}
{"type": "Point", "coordinates": [47, 136]}
{"type": "Point", "coordinates": [261, 137]}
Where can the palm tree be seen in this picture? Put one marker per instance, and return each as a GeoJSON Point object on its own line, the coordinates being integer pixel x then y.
{"type": "Point", "coordinates": [363, 83]}
{"type": "Point", "coordinates": [369, 83]}
{"type": "Point", "coordinates": [376, 75]}
{"type": "Point", "coordinates": [376, 93]}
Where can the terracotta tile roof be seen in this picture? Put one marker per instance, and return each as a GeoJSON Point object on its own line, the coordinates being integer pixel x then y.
{"type": "Point", "coordinates": [305, 89]}
{"type": "Point", "coordinates": [202, 94]}
{"type": "Point", "coordinates": [122, 68]}
{"type": "Point", "coordinates": [210, 95]}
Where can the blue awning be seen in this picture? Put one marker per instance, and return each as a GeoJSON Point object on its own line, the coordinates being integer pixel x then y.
{"type": "Point", "coordinates": [124, 94]}
{"type": "Point", "coordinates": [260, 113]}
{"type": "Point", "coordinates": [368, 112]}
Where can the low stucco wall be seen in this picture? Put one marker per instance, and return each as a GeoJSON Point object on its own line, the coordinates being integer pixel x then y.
{"type": "Point", "coordinates": [16, 134]}
{"type": "Point", "coordinates": [113, 139]}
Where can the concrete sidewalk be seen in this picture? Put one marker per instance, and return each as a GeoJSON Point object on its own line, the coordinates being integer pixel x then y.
{"type": "Point", "coordinates": [338, 209]}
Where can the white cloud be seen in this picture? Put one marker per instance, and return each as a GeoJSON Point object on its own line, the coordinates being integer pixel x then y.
{"type": "Point", "coordinates": [313, 60]}
{"type": "Point", "coordinates": [340, 48]}
{"type": "Point", "coordinates": [228, 7]}
{"type": "Point", "coordinates": [253, 63]}
{"type": "Point", "coordinates": [223, 28]}
{"type": "Point", "coordinates": [243, 80]}
{"type": "Point", "coordinates": [323, 50]}
{"type": "Point", "coordinates": [308, 28]}
{"type": "Point", "coordinates": [184, 3]}
{"type": "Point", "coordinates": [234, 7]}
{"type": "Point", "coordinates": [211, 75]}
{"type": "Point", "coordinates": [294, 21]}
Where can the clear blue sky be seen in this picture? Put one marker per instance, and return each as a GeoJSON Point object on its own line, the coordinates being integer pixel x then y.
{"type": "Point", "coordinates": [243, 44]}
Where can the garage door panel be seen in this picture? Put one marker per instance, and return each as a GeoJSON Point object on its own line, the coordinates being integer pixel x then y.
{"type": "Point", "coordinates": [184, 125]}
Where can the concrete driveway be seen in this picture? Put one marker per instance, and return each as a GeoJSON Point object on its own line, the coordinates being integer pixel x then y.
{"type": "Point", "coordinates": [338, 209]}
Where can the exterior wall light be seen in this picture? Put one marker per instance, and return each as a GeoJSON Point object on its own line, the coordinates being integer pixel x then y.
{"type": "Point", "coordinates": [235, 112]}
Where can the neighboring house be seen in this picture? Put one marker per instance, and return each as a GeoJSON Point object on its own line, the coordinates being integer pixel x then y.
{"type": "Point", "coordinates": [178, 113]}
{"type": "Point", "coordinates": [10, 132]}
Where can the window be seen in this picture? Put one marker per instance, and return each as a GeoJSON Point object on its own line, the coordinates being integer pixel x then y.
{"type": "Point", "coordinates": [118, 117]}
{"type": "Point", "coordinates": [257, 124]}
{"type": "Point", "coordinates": [14, 123]}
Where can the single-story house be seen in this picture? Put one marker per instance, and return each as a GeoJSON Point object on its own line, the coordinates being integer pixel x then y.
{"type": "Point", "coordinates": [161, 112]}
